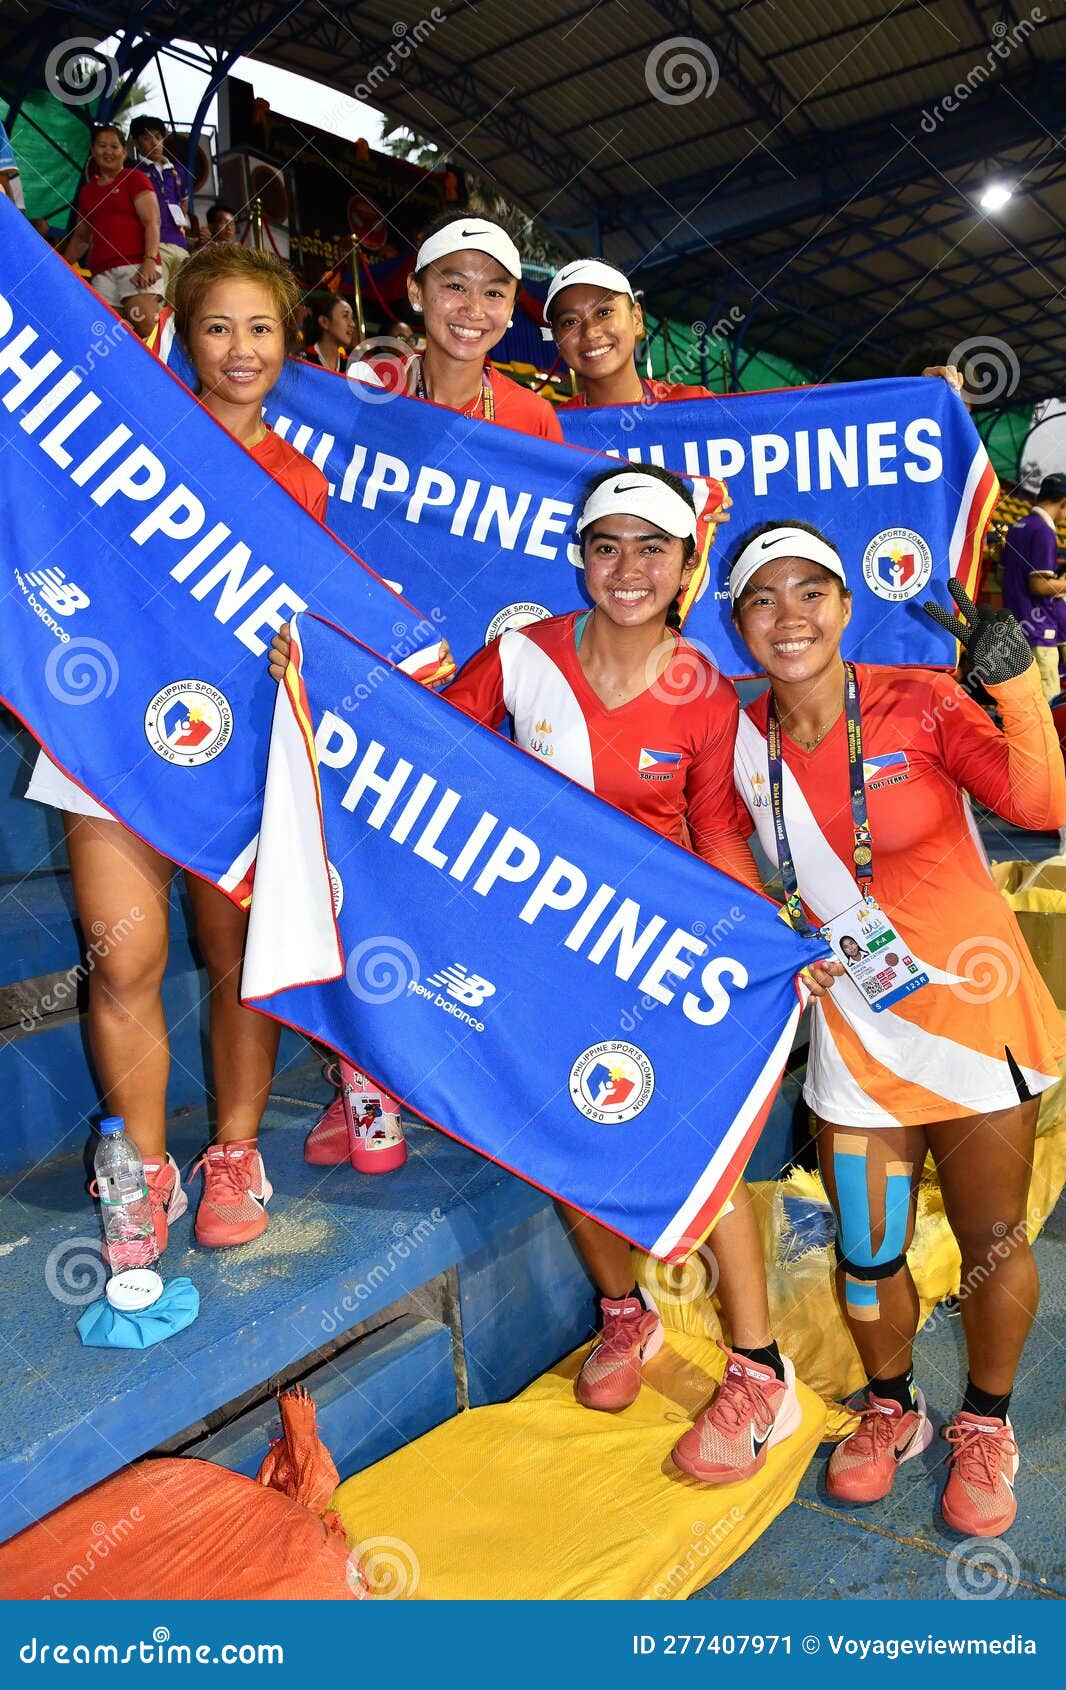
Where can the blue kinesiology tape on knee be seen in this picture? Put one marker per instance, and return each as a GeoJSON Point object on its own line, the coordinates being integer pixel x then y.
{"type": "Point", "coordinates": [860, 1295]}
{"type": "Point", "coordinates": [897, 1211]}
{"type": "Point", "coordinates": [853, 1202]}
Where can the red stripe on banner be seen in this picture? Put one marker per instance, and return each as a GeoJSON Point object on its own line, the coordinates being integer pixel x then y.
{"type": "Point", "coordinates": [978, 518]}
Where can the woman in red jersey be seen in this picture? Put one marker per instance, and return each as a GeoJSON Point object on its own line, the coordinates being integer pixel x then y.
{"type": "Point", "coordinates": [465, 284]}
{"type": "Point", "coordinates": [596, 323]}
{"type": "Point", "coordinates": [942, 1035]}
{"type": "Point", "coordinates": [236, 313]}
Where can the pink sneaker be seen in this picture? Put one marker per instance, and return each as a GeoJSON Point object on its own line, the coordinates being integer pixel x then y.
{"type": "Point", "coordinates": [236, 1192]}
{"type": "Point", "coordinates": [751, 1411]}
{"type": "Point", "coordinates": [166, 1195]}
{"type": "Point", "coordinates": [632, 1334]}
{"type": "Point", "coordinates": [863, 1467]}
{"type": "Point", "coordinates": [326, 1145]}
{"type": "Point", "coordinates": [979, 1500]}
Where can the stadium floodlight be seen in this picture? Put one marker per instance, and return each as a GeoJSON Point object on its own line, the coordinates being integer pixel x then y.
{"type": "Point", "coordinates": [995, 196]}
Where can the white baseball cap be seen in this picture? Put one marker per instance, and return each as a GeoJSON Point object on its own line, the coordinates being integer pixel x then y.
{"type": "Point", "coordinates": [781, 542]}
{"type": "Point", "coordinates": [631, 494]}
{"type": "Point", "coordinates": [586, 272]}
{"type": "Point", "coordinates": [472, 234]}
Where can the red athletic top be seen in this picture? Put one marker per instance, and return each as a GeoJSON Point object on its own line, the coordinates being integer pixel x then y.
{"type": "Point", "coordinates": [665, 758]}
{"type": "Point", "coordinates": [301, 479]}
{"type": "Point", "coordinates": [941, 1052]}
{"type": "Point", "coordinates": [660, 391]}
{"type": "Point", "coordinates": [109, 213]}
{"type": "Point", "coordinates": [516, 407]}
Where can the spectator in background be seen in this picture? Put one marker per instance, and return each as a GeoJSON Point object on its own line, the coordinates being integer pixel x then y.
{"type": "Point", "coordinates": [331, 331]}
{"type": "Point", "coordinates": [170, 183]}
{"type": "Point", "coordinates": [221, 223]}
{"type": "Point", "coordinates": [118, 226]}
{"type": "Point", "coordinates": [9, 172]}
{"type": "Point", "coordinates": [1032, 590]}
{"type": "Point", "coordinates": [404, 331]}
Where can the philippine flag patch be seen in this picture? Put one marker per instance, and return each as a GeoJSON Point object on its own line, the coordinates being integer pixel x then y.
{"type": "Point", "coordinates": [893, 762]}
{"type": "Point", "coordinates": [658, 759]}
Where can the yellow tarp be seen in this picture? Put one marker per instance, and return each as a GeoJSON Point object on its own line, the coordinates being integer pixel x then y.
{"type": "Point", "coordinates": [540, 1498]}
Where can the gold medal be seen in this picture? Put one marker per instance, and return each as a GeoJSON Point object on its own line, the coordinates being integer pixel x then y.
{"type": "Point", "coordinates": [862, 855]}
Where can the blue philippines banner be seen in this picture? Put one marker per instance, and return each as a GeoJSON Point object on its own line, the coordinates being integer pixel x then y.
{"type": "Point", "coordinates": [894, 472]}
{"type": "Point", "coordinates": [485, 937]}
{"type": "Point", "coordinates": [477, 520]}
{"type": "Point", "coordinates": [147, 560]}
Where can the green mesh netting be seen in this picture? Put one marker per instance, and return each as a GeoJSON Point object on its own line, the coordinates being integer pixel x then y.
{"type": "Point", "coordinates": [51, 143]}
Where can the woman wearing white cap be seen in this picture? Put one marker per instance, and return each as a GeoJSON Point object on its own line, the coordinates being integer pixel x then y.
{"type": "Point", "coordinates": [465, 283]}
{"type": "Point", "coordinates": [942, 1035]}
{"type": "Point", "coordinates": [596, 323]}
{"type": "Point", "coordinates": [611, 680]}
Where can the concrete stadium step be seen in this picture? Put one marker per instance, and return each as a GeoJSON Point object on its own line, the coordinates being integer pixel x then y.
{"type": "Point", "coordinates": [40, 933]}
{"type": "Point", "coordinates": [341, 1248]}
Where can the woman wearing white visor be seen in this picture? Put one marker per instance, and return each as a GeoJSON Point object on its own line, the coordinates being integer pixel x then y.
{"type": "Point", "coordinates": [465, 284]}
{"type": "Point", "coordinates": [596, 323]}
{"type": "Point", "coordinates": [612, 680]}
{"type": "Point", "coordinates": [942, 1035]}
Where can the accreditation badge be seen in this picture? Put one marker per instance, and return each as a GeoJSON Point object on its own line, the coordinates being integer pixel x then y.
{"type": "Point", "coordinates": [876, 958]}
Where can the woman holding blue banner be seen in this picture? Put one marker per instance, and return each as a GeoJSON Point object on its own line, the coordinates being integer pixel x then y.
{"type": "Point", "coordinates": [236, 313]}
{"type": "Point", "coordinates": [943, 1034]}
{"type": "Point", "coordinates": [621, 703]}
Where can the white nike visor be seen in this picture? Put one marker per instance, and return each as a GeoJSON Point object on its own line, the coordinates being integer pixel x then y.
{"type": "Point", "coordinates": [586, 272]}
{"type": "Point", "coordinates": [777, 543]}
{"type": "Point", "coordinates": [631, 494]}
{"type": "Point", "coordinates": [472, 234]}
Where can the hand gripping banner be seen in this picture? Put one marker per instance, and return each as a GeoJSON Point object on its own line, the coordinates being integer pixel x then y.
{"type": "Point", "coordinates": [484, 937]}
{"type": "Point", "coordinates": [477, 520]}
{"type": "Point", "coordinates": [146, 560]}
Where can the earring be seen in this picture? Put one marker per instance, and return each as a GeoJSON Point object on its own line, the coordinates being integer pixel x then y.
{"type": "Point", "coordinates": [510, 322]}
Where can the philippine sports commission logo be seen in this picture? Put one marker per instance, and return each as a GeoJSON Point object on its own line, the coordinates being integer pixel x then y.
{"type": "Point", "coordinates": [897, 564]}
{"type": "Point", "coordinates": [188, 722]}
{"type": "Point", "coordinates": [612, 1081]}
{"type": "Point", "coordinates": [515, 616]}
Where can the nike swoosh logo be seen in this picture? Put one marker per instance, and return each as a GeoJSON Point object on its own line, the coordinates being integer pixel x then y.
{"type": "Point", "coordinates": [468, 232]}
{"type": "Point", "coordinates": [633, 487]}
{"type": "Point", "coordinates": [772, 541]}
{"type": "Point", "coordinates": [898, 1454]}
{"type": "Point", "coordinates": [757, 1443]}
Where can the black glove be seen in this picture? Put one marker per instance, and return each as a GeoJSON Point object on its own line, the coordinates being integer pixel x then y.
{"type": "Point", "coordinates": [995, 642]}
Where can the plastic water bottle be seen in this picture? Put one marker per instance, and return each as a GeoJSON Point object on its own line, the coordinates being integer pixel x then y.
{"type": "Point", "coordinates": [122, 1186]}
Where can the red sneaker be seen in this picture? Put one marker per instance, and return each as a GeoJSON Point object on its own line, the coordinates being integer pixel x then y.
{"type": "Point", "coordinates": [236, 1192]}
{"type": "Point", "coordinates": [632, 1334]}
{"type": "Point", "coordinates": [165, 1194]}
{"type": "Point", "coordinates": [326, 1145]}
{"type": "Point", "coordinates": [863, 1468]}
{"type": "Point", "coordinates": [978, 1499]}
{"type": "Point", "coordinates": [751, 1411]}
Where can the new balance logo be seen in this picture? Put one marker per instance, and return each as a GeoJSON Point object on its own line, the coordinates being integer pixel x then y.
{"type": "Point", "coordinates": [61, 596]}
{"type": "Point", "coordinates": [462, 986]}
